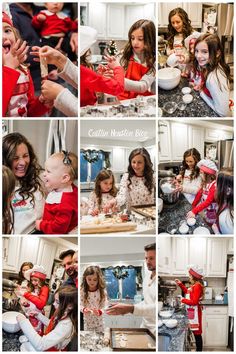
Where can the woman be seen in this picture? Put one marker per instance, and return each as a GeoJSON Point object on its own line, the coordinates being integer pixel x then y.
{"type": "Point", "coordinates": [193, 295]}
{"type": "Point", "coordinates": [24, 267]}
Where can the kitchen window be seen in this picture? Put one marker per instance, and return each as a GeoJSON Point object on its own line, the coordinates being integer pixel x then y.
{"type": "Point", "coordinates": [91, 162]}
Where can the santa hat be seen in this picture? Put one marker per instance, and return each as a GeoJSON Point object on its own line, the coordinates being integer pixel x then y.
{"type": "Point", "coordinates": [37, 272]}
{"type": "Point", "coordinates": [191, 39]}
{"type": "Point", "coordinates": [88, 37]}
{"type": "Point", "coordinates": [6, 18]}
{"type": "Point", "coordinates": [195, 271]}
{"type": "Point", "coordinates": [207, 166]}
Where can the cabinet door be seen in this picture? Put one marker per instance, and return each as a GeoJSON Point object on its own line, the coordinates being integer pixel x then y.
{"type": "Point", "coordinates": [133, 13]}
{"type": "Point", "coordinates": [97, 18]}
{"type": "Point", "coordinates": [198, 252]}
{"type": "Point", "coordinates": [29, 250]}
{"type": "Point", "coordinates": [196, 139]}
{"type": "Point", "coordinates": [164, 255]}
{"type": "Point", "coordinates": [164, 9]}
{"type": "Point", "coordinates": [119, 161]}
{"type": "Point", "coordinates": [194, 11]}
{"type": "Point", "coordinates": [216, 330]}
{"type": "Point", "coordinates": [179, 256]}
{"type": "Point", "coordinates": [164, 141]}
{"type": "Point", "coordinates": [10, 253]}
{"type": "Point", "coordinates": [216, 257]}
{"type": "Point", "coordinates": [230, 249]}
{"type": "Point", "coordinates": [46, 255]}
{"type": "Point", "coordinates": [115, 21]}
{"type": "Point", "coordinates": [179, 140]}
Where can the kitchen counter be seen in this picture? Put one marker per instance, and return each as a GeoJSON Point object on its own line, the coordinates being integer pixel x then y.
{"type": "Point", "coordinates": [213, 303]}
{"type": "Point", "coordinates": [174, 213]}
{"type": "Point", "coordinates": [177, 334]}
{"type": "Point", "coordinates": [10, 341]}
{"type": "Point", "coordinates": [197, 108]}
{"type": "Point", "coordinates": [92, 341]}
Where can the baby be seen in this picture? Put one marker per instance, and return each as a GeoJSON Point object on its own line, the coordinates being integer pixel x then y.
{"type": "Point", "coordinates": [61, 208]}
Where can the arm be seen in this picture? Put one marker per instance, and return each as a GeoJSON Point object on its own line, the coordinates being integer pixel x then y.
{"type": "Point", "coordinates": [193, 186]}
{"type": "Point", "coordinates": [210, 199]}
{"type": "Point", "coordinates": [183, 287]}
{"type": "Point", "coordinates": [60, 223]}
{"type": "Point", "coordinates": [67, 103]}
{"type": "Point", "coordinates": [142, 309]}
{"type": "Point", "coordinates": [195, 295]}
{"type": "Point", "coordinates": [70, 73]}
{"type": "Point", "coordinates": [122, 194]}
{"type": "Point", "coordinates": [92, 202]}
{"type": "Point", "coordinates": [197, 198]}
{"type": "Point", "coordinates": [41, 300]}
{"type": "Point", "coordinates": [9, 81]}
{"type": "Point", "coordinates": [143, 85]}
{"type": "Point", "coordinates": [43, 319]}
{"type": "Point", "coordinates": [36, 23]}
{"type": "Point", "coordinates": [35, 107]}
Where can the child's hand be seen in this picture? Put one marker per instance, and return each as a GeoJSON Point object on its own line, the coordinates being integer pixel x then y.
{"type": "Point", "coordinates": [190, 214]}
{"type": "Point", "coordinates": [105, 71]}
{"type": "Point", "coordinates": [52, 55]}
{"type": "Point", "coordinates": [50, 90]}
{"type": "Point", "coordinates": [74, 42]}
{"type": "Point", "coordinates": [37, 224]}
{"type": "Point", "coordinates": [16, 55]}
{"type": "Point", "coordinates": [48, 103]}
{"type": "Point", "coordinates": [97, 312]}
{"type": "Point", "coordinates": [33, 313]}
{"type": "Point", "coordinates": [112, 62]}
{"type": "Point", "coordinates": [94, 212]}
{"type": "Point", "coordinates": [86, 311]}
{"type": "Point", "coordinates": [20, 317]}
{"type": "Point", "coordinates": [215, 229]}
{"type": "Point", "coordinates": [41, 18]}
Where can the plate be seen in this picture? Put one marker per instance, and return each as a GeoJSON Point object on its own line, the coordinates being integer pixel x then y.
{"type": "Point", "coordinates": [160, 323]}
{"type": "Point", "coordinates": [201, 230]}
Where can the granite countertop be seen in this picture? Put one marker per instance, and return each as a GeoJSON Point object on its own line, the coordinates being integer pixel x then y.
{"type": "Point", "coordinates": [213, 302]}
{"type": "Point", "coordinates": [92, 342]}
{"type": "Point", "coordinates": [197, 108]}
{"type": "Point", "coordinates": [174, 213]}
{"type": "Point", "coordinates": [178, 333]}
{"type": "Point", "coordinates": [10, 341]}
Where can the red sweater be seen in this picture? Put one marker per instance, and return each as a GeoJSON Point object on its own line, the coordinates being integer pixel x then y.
{"type": "Point", "coordinates": [91, 82]}
{"type": "Point", "coordinates": [63, 217]}
{"type": "Point", "coordinates": [41, 300]}
{"type": "Point", "coordinates": [209, 200]}
{"type": "Point", "coordinates": [10, 87]}
{"type": "Point", "coordinates": [54, 23]}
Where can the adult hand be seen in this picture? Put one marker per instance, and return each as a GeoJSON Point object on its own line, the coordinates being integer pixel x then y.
{"type": "Point", "coordinates": [41, 18]}
{"type": "Point", "coordinates": [37, 224]}
{"type": "Point", "coordinates": [190, 214]}
{"type": "Point", "coordinates": [215, 229]}
{"type": "Point", "coordinates": [52, 56]}
{"type": "Point", "coordinates": [74, 42]}
{"type": "Point", "coordinates": [50, 90]}
{"type": "Point", "coordinates": [120, 309]}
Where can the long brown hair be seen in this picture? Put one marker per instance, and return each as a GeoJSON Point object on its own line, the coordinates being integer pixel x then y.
{"type": "Point", "coordinates": [149, 36]}
{"type": "Point", "coordinates": [148, 170]}
{"type": "Point", "coordinates": [102, 175]}
{"type": "Point", "coordinates": [199, 281]}
{"type": "Point", "coordinates": [194, 153]}
{"type": "Point", "coordinates": [21, 275]}
{"type": "Point", "coordinates": [224, 194]}
{"type": "Point", "coordinates": [93, 270]}
{"type": "Point", "coordinates": [31, 182]}
{"type": "Point", "coordinates": [216, 58]}
{"type": "Point", "coordinates": [187, 27]}
{"type": "Point", "coordinates": [8, 187]}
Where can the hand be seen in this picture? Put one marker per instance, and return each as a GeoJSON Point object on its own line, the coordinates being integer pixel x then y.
{"type": "Point", "coordinates": [120, 309]}
{"type": "Point", "coordinates": [50, 90]}
{"type": "Point", "coordinates": [179, 187]}
{"type": "Point", "coordinates": [58, 46]}
{"type": "Point", "coordinates": [105, 71]}
{"type": "Point", "coordinates": [97, 312]}
{"type": "Point", "coordinates": [20, 291]}
{"type": "Point", "coordinates": [33, 313]}
{"type": "Point", "coordinates": [86, 311]}
{"type": "Point", "coordinates": [74, 42]}
{"type": "Point", "coordinates": [41, 18]}
{"type": "Point", "coordinates": [177, 281]}
{"type": "Point", "coordinates": [94, 212]}
{"type": "Point", "coordinates": [20, 317]}
{"type": "Point", "coordinates": [48, 103]}
{"type": "Point", "coordinates": [37, 224]}
{"type": "Point", "coordinates": [52, 56]}
{"type": "Point", "coordinates": [190, 214]}
{"type": "Point", "coordinates": [15, 56]}
{"type": "Point", "coordinates": [112, 62]}
{"type": "Point", "coordinates": [215, 229]}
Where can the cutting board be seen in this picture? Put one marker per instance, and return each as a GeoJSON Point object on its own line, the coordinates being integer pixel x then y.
{"type": "Point", "coordinates": [109, 227]}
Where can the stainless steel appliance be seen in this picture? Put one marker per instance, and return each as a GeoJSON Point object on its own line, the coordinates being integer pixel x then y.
{"type": "Point", "coordinates": [225, 153]}
{"type": "Point", "coordinates": [9, 298]}
{"type": "Point", "coordinates": [168, 191]}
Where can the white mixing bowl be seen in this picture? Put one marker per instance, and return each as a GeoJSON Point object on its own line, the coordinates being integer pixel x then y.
{"type": "Point", "coordinates": [9, 322]}
{"type": "Point", "coordinates": [168, 78]}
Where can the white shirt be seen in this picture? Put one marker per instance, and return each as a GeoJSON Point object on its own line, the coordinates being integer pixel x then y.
{"type": "Point", "coordinates": [226, 223]}
{"type": "Point", "coordinates": [191, 187]}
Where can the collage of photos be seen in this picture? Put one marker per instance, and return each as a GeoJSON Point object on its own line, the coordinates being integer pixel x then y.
{"type": "Point", "coordinates": [118, 178]}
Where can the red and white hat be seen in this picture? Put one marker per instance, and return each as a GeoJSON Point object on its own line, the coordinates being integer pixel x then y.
{"type": "Point", "coordinates": [195, 271]}
{"type": "Point", "coordinates": [37, 272]}
{"type": "Point", "coordinates": [207, 166]}
{"type": "Point", "coordinates": [6, 18]}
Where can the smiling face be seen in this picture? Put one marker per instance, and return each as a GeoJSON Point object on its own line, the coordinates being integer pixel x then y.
{"type": "Point", "coordinates": [138, 165]}
{"type": "Point", "coordinates": [35, 281]}
{"type": "Point", "coordinates": [92, 281]}
{"type": "Point", "coordinates": [21, 161]}
{"type": "Point", "coordinates": [177, 23]}
{"type": "Point", "coordinates": [54, 174]}
{"type": "Point", "coordinates": [106, 185]}
{"type": "Point", "coordinates": [8, 37]}
{"type": "Point", "coordinates": [68, 265]}
{"type": "Point", "coordinates": [54, 7]}
{"type": "Point", "coordinates": [202, 53]}
{"type": "Point", "coordinates": [190, 162]}
{"type": "Point", "coordinates": [137, 41]}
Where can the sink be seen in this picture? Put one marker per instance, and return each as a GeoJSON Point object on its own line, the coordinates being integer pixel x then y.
{"type": "Point", "coordinates": [163, 342]}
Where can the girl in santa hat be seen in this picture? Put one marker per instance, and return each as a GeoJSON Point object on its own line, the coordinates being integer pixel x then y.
{"type": "Point", "coordinates": [17, 84]}
{"type": "Point", "coordinates": [205, 198]}
{"type": "Point", "coordinates": [36, 297]}
{"type": "Point", "coordinates": [193, 295]}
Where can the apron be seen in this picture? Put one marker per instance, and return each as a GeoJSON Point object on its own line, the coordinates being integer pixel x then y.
{"type": "Point", "coordinates": [210, 211]}
{"type": "Point", "coordinates": [192, 312]}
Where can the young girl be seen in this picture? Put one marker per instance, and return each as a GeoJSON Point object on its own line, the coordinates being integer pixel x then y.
{"type": "Point", "coordinates": [190, 174]}
{"type": "Point", "coordinates": [225, 200]}
{"type": "Point", "coordinates": [105, 192]}
{"type": "Point", "coordinates": [138, 60]}
{"type": "Point", "coordinates": [61, 328]}
{"type": "Point", "coordinates": [210, 74]}
{"type": "Point", "coordinates": [93, 298]}
{"type": "Point", "coordinates": [8, 187]}
{"type": "Point", "coordinates": [28, 199]}
{"type": "Point", "coordinates": [37, 295]}
{"type": "Point", "coordinates": [206, 195]}
{"type": "Point", "coordinates": [192, 299]}
{"type": "Point", "coordinates": [17, 88]}
{"type": "Point", "coordinates": [24, 267]}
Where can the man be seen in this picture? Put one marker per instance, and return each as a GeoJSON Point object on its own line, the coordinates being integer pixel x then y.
{"type": "Point", "coordinates": [146, 308]}
{"type": "Point", "coordinates": [66, 258]}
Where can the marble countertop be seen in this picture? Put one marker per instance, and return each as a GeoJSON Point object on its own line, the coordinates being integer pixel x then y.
{"type": "Point", "coordinates": [172, 214]}
{"type": "Point", "coordinates": [197, 108]}
{"type": "Point", "coordinates": [10, 341]}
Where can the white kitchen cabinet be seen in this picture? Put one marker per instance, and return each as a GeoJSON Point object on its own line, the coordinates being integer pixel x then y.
{"type": "Point", "coordinates": [215, 326]}
{"type": "Point", "coordinates": [212, 135]}
{"type": "Point", "coordinates": [164, 9]}
{"type": "Point", "coordinates": [196, 138]}
{"type": "Point", "coordinates": [119, 161]}
{"type": "Point", "coordinates": [97, 18]}
{"type": "Point", "coordinates": [230, 249]}
{"type": "Point", "coordinates": [164, 255]}
{"type": "Point", "coordinates": [115, 21]}
{"type": "Point", "coordinates": [10, 253]}
{"type": "Point", "coordinates": [216, 257]}
{"type": "Point", "coordinates": [194, 11]}
{"type": "Point", "coordinates": [179, 140]}
{"type": "Point", "coordinates": [179, 256]}
{"type": "Point", "coordinates": [164, 146]}
{"type": "Point", "coordinates": [198, 252]}
{"type": "Point", "coordinates": [28, 250]}
{"type": "Point", "coordinates": [46, 255]}
{"type": "Point", "coordinates": [136, 12]}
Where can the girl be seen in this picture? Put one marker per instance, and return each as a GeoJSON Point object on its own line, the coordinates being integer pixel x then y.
{"type": "Point", "coordinates": [206, 195]}
{"type": "Point", "coordinates": [105, 192]}
{"type": "Point", "coordinates": [193, 295]}
{"type": "Point", "coordinates": [18, 88]}
{"type": "Point", "coordinates": [138, 60]}
{"type": "Point", "coordinates": [37, 295]}
{"type": "Point", "coordinates": [93, 298]}
{"type": "Point", "coordinates": [224, 196]}
{"type": "Point", "coordinates": [190, 174]}
{"type": "Point", "coordinates": [28, 200]}
{"type": "Point", "coordinates": [8, 187]}
{"type": "Point", "coordinates": [210, 74]}
{"type": "Point", "coordinates": [60, 328]}
{"type": "Point", "coordinates": [24, 267]}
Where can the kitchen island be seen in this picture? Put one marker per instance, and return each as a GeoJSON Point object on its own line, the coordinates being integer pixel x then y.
{"type": "Point", "coordinates": [197, 108]}
{"type": "Point", "coordinates": [172, 214]}
{"type": "Point", "coordinates": [177, 335]}
{"type": "Point", "coordinates": [10, 341]}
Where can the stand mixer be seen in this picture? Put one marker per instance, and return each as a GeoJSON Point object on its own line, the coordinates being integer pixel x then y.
{"type": "Point", "coordinates": [167, 289]}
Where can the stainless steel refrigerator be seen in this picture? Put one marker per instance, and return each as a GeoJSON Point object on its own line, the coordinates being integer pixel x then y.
{"type": "Point", "coordinates": [225, 153]}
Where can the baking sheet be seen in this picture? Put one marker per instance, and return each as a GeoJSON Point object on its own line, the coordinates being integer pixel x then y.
{"type": "Point", "coordinates": [145, 210]}
{"type": "Point", "coordinates": [132, 339]}
{"type": "Point", "coordinates": [108, 227]}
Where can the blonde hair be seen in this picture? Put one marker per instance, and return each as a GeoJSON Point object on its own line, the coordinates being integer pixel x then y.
{"type": "Point", "coordinates": [70, 162]}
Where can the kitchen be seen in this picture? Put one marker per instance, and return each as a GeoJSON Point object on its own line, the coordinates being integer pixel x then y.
{"type": "Point", "coordinates": [212, 141]}
{"type": "Point", "coordinates": [41, 252]}
{"type": "Point", "coordinates": [107, 145]}
{"type": "Point", "coordinates": [109, 37]}
{"type": "Point", "coordinates": [123, 266]}
{"type": "Point", "coordinates": [213, 258]}
{"type": "Point", "coordinates": [182, 92]}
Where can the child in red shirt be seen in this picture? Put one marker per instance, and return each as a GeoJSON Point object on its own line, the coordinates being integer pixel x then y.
{"type": "Point", "coordinates": [61, 208]}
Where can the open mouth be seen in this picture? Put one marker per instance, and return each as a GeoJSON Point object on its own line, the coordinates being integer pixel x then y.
{"type": "Point", "coordinates": [6, 48]}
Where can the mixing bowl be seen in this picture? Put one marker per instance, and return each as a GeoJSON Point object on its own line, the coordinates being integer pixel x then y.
{"type": "Point", "coordinates": [9, 322]}
{"type": "Point", "coordinates": [168, 78]}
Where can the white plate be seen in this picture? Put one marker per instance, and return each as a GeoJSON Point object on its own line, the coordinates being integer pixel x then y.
{"type": "Point", "coordinates": [201, 230]}
{"type": "Point", "coordinates": [160, 323]}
